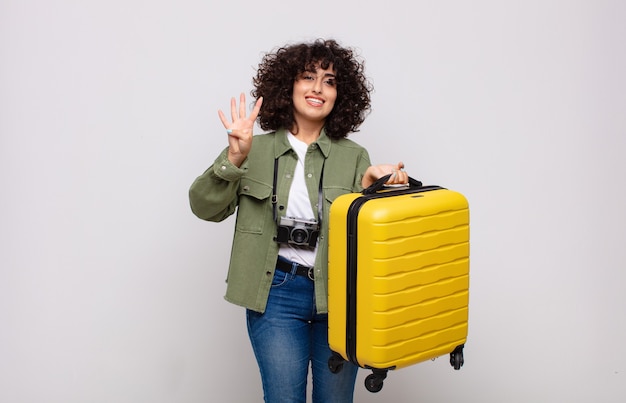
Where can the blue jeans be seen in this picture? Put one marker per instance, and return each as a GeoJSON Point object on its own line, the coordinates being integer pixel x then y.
{"type": "Point", "coordinates": [289, 336]}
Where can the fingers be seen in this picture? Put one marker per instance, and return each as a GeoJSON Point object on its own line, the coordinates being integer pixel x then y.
{"type": "Point", "coordinates": [256, 109]}
{"type": "Point", "coordinates": [233, 109]}
{"type": "Point", "coordinates": [225, 121]}
{"type": "Point", "coordinates": [402, 176]}
{"type": "Point", "coordinates": [241, 113]}
{"type": "Point", "coordinates": [242, 106]}
{"type": "Point", "coordinates": [398, 175]}
{"type": "Point", "coordinates": [238, 113]}
{"type": "Point", "coordinates": [239, 128]}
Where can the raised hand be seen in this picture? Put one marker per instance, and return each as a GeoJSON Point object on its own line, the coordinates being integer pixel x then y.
{"type": "Point", "coordinates": [239, 128]}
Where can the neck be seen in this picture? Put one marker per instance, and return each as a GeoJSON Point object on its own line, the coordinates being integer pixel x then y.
{"type": "Point", "coordinates": [307, 134]}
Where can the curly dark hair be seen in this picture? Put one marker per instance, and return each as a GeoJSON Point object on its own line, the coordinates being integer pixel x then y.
{"type": "Point", "coordinates": [277, 73]}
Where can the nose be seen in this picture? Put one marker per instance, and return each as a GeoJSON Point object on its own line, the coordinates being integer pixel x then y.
{"type": "Point", "coordinates": [317, 86]}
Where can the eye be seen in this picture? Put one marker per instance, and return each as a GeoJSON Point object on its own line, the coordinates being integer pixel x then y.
{"type": "Point", "coordinates": [331, 82]}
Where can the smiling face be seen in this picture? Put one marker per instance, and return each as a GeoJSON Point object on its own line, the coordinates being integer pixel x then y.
{"type": "Point", "coordinates": [314, 95]}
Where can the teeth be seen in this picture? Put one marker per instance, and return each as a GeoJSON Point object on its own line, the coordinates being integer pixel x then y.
{"type": "Point", "coordinates": [315, 101]}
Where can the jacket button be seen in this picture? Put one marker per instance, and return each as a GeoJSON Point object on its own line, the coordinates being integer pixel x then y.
{"type": "Point", "coordinates": [246, 188]}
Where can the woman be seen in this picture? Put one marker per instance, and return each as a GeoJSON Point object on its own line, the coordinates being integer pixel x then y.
{"type": "Point", "coordinates": [309, 97]}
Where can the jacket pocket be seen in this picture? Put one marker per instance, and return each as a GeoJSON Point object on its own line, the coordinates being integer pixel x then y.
{"type": "Point", "coordinates": [254, 199]}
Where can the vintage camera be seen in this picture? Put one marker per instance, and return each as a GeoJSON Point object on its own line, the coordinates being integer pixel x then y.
{"type": "Point", "coordinates": [297, 231]}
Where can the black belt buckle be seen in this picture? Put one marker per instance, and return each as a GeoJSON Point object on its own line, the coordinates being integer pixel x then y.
{"type": "Point", "coordinates": [310, 274]}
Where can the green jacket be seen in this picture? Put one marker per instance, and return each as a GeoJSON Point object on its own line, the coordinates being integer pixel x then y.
{"type": "Point", "coordinates": [223, 189]}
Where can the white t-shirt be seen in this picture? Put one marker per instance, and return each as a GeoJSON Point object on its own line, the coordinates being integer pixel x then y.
{"type": "Point", "coordinates": [299, 206]}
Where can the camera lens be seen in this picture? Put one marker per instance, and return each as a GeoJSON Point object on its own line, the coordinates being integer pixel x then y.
{"type": "Point", "coordinates": [299, 235]}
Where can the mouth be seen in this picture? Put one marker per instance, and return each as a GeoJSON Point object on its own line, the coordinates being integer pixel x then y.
{"type": "Point", "coordinates": [314, 101]}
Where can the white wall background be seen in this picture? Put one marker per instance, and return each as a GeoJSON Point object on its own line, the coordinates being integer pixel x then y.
{"type": "Point", "coordinates": [111, 290]}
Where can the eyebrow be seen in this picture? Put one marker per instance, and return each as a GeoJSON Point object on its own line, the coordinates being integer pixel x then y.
{"type": "Point", "coordinates": [315, 72]}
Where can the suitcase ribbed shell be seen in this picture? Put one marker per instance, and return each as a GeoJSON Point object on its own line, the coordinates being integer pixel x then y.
{"type": "Point", "coordinates": [399, 286]}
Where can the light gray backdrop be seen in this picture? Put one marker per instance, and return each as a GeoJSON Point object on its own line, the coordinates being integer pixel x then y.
{"type": "Point", "coordinates": [111, 290]}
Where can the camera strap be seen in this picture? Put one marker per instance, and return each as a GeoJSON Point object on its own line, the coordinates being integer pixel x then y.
{"type": "Point", "coordinates": [320, 197]}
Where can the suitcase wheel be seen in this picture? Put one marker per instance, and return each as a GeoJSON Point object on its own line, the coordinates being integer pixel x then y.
{"type": "Point", "coordinates": [374, 381]}
{"type": "Point", "coordinates": [456, 357]}
{"type": "Point", "coordinates": [335, 363]}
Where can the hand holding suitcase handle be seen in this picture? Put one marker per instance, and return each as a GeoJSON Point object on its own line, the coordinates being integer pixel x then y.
{"type": "Point", "coordinates": [380, 183]}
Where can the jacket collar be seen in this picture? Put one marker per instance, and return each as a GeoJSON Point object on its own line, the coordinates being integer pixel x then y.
{"type": "Point", "coordinates": [281, 144]}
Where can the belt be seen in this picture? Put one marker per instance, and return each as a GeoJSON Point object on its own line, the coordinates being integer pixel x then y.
{"type": "Point", "coordinates": [301, 270]}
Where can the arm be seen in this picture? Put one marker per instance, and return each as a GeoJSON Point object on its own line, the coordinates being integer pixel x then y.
{"type": "Point", "coordinates": [213, 195]}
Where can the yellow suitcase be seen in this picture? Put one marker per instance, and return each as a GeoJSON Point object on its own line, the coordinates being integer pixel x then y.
{"type": "Point", "coordinates": [398, 282]}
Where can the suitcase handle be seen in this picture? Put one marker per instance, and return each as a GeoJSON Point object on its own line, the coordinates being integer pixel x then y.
{"type": "Point", "coordinates": [380, 183]}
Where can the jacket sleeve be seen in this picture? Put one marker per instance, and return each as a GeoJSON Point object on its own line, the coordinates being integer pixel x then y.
{"type": "Point", "coordinates": [363, 163]}
{"type": "Point", "coordinates": [213, 196]}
